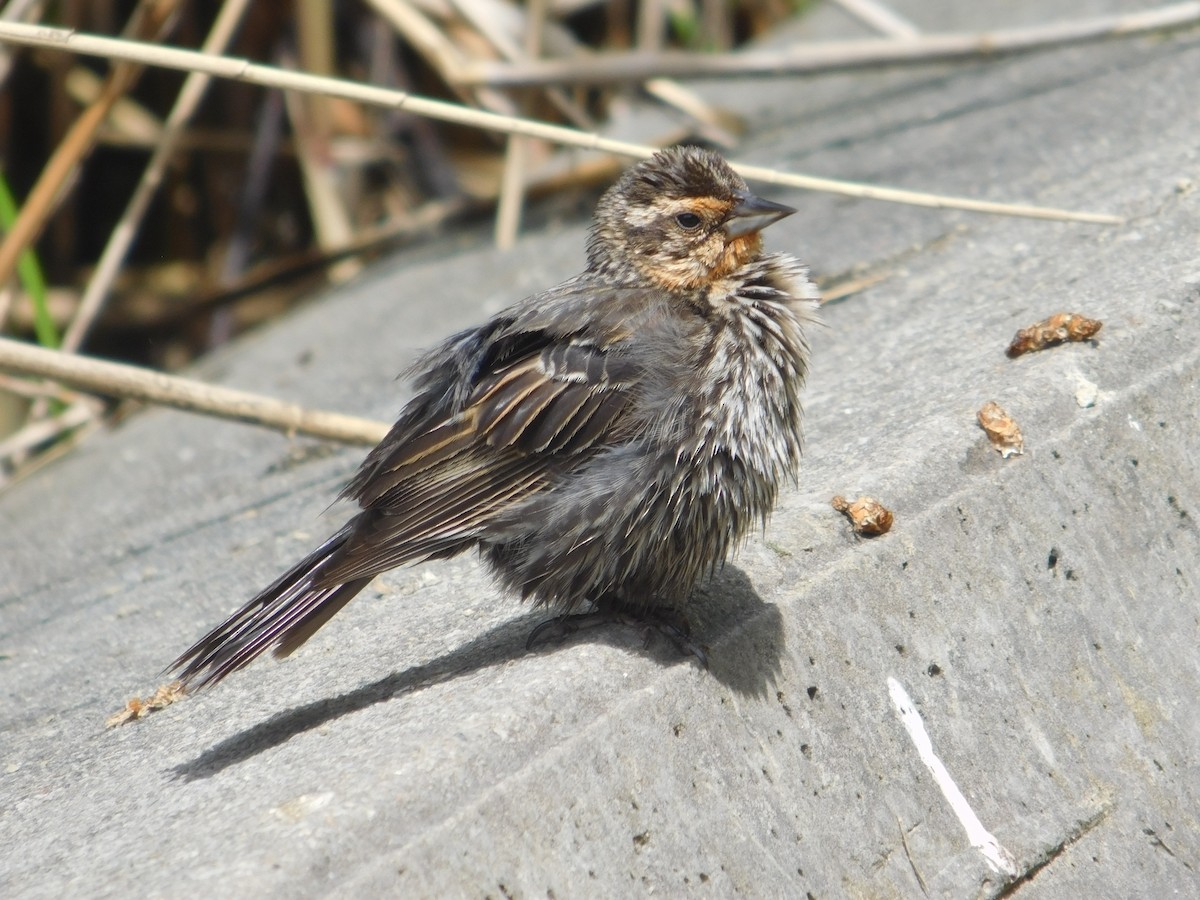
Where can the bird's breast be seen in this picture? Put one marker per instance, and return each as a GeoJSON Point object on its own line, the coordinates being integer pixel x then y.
{"type": "Point", "coordinates": [745, 396]}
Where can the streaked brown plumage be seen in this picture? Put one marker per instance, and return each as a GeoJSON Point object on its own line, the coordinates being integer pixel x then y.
{"type": "Point", "coordinates": [608, 441]}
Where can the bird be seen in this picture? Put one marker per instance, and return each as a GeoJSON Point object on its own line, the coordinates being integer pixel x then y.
{"type": "Point", "coordinates": [604, 445]}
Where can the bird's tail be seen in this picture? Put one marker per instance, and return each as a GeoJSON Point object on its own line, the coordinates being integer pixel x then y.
{"type": "Point", "coordinates": [285, 614]}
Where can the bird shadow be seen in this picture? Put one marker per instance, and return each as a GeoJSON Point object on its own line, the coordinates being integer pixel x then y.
{"type": "Point", "coordinates": [745, 635]}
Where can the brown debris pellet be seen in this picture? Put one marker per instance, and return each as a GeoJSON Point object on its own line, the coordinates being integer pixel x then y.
{"type": "Point", "coordinates": [1001, 430]}
{"type": "Point", "coordinates": [137, 708]}
{"type": "Point", "coordinates": [1058, 328]}
{"type": "Point", "coordinates": [868, 516]}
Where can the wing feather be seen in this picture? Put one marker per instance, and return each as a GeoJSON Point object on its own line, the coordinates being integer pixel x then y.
{"type": "Point", "coordinates": [599, 415]}
{"type": "Point", "coordinates": [535, 396]}
{"type": "Point", "coordinates": [558, 421]}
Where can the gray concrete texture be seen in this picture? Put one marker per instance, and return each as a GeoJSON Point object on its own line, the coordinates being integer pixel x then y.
{"type": "Point", "coordinates": [1040, 611]}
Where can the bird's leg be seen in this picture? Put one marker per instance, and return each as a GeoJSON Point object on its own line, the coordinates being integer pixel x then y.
{"type": "Point", "coordinates": [671, 624]}
{"type": "Point", "coordinates": [608, 611]}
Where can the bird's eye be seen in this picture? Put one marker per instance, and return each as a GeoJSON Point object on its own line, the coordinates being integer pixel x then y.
{"type": "Point", "coordinates": [688, 220]}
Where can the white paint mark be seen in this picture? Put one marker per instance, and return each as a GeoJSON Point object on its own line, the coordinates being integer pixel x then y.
{"type": "Point", "coordinates": [999, 859]}
{"type": "Point", "coordinates": [1134, 423]}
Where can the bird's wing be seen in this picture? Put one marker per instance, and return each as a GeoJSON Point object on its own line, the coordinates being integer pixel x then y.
{"type": "Point", "coordinates": [540, 399]}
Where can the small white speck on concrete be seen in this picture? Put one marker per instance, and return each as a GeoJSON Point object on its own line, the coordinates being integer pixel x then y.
{"type": "Point", "coordinates": [1086, 393]}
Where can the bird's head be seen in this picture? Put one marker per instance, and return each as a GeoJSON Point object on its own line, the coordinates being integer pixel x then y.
{"type": "Point", "coordinates": [681, 220]}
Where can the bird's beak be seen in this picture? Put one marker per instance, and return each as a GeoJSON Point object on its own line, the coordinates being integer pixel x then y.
{"type": "Point", "coordinates": [753, 214]}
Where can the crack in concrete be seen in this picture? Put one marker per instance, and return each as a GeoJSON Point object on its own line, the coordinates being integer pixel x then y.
{"type": "Point", "coordinates": [1053, 853]}
{"type": "Point", "coordinates": [911, 862]}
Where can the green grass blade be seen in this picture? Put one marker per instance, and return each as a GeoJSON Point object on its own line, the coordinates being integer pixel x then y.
{"type": "Point", "coordinates": [29, 271]}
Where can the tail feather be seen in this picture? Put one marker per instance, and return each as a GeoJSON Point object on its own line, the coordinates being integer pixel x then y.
{"type": "Point", "coordinates": [285, 614]}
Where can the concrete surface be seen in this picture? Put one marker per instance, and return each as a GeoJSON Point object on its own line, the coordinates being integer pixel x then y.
{"type": "Point", "coordinates": [1041, 611]}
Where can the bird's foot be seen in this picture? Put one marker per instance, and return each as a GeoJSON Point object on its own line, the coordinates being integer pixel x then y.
{"type": "Point", "coordinates": [667, 622]}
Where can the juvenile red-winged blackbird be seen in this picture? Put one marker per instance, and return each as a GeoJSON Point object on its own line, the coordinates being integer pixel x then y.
{"type": "Point", "coordinates": [605, 442]}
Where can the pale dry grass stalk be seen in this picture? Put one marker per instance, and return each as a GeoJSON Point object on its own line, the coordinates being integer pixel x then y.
{"type": "Point", "coordinates": [827, 56]}
{"type": "Point", "coordinates": [880, 17]}
{"type": "Point", "coordinates": [269, 76]}
{"type": "Point", "coordinates": [512, 184]}
{"type": "Point", "coordinates": [126, 229]}
{"type": "Point", "coordinates": [120, 380]}
{"type": "Point", "coordinates": [149, 18]}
